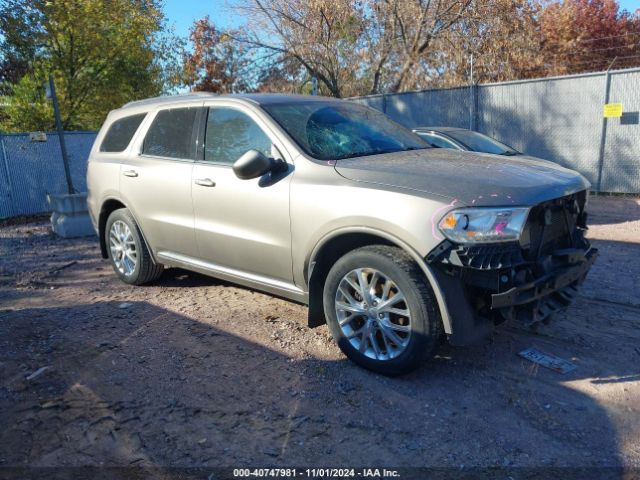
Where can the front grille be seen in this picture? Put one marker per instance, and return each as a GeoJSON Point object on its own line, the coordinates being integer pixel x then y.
{"type": "Point", "coordinates": [553, 226]}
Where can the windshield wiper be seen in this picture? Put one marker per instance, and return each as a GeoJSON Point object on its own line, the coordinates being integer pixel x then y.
{"type": "Point", "coordinates": [509, 153]}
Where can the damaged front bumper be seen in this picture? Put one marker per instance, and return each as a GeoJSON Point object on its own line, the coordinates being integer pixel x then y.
{"type": "Point", "coordinates": [557, 282]}
{"type": "Point", "coordinates": [527, 281]}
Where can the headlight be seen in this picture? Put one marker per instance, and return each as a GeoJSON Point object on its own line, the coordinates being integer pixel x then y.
{"type": "Point", "coordinates": [483, 225]}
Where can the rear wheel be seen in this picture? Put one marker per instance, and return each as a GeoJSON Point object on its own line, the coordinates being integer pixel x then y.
{"type": "Point", "coordinates": [129, 256]}
{"type": "Point", "coordinates": [381, 310]}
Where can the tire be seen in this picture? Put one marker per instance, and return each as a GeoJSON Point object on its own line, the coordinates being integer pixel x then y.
{"type": "Point", "coordinates": [136, 271]}
{"type": "Point", "coordinates": [413, 317]}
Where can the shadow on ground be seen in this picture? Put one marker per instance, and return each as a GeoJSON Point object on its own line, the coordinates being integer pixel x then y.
{"type": "Point", "coordinates": [142, 386]}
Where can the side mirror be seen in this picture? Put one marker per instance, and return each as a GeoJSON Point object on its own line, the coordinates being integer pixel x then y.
{"type": "Point", "coordinates": [254, 164]}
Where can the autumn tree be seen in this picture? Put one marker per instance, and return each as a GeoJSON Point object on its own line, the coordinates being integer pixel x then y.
{"type": "Point", "coordinates": [355, 46]}
{"type": "Point", "coordinates": [322, 36]}
{"type": "Point", "coordinates": [499, 39]}
{"type": "Point", "coordinates": [216, 62]}
{"type": "Point", "coordinates": [102, 53]}
{"type": "Point", "coordinates": [283, 74]}
{"type": "Point", "coordinates": [588, 35]}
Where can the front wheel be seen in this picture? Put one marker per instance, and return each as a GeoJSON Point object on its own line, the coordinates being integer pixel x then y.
{"type": "Point", "coordinates": [381, 310]}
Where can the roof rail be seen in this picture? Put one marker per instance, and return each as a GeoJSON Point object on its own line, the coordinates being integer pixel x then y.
{"type": "Point", "coordinates": [168, 98]}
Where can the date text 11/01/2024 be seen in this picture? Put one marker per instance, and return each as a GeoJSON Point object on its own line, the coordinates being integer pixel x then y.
{"type": "Point", "coordinates": [315, 473]}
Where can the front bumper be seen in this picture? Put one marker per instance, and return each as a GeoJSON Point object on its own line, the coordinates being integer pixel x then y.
{"type": "Point", "coordinates": [526, 281]}
{"type": "Point", "coordinates": [554, 282]}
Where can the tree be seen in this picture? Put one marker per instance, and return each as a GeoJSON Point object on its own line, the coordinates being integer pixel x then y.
{"type": "Point", "coordinates": [502, 36]}
{"type": "Point", "coordinates": [28, 109]}
{"type": "Point", "coordinates": [355, 46]}
{"type": "Point", "coordinates": [322, 36]}
{"type": "Point", "coordinates": [415, 27]}
{"type": "Point", "coordinates": [217, 62]}
{"type": "Point", "coordinates": [283, 74]}
{"type": "Point", "coordinates": [587, 35]}
{"type": "Point", "coordinates": [102, 53]}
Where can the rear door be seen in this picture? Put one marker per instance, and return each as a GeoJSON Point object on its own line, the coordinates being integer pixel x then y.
{"type": "Point", "coordinates": [156, 182]}
{"type": "Point", "coordinates": [241, 224]}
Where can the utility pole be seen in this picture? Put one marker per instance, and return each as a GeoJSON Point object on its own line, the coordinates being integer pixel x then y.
{"type": "Point", "coordinates": [63, 147]}
{"type": "Point", "coordinates": [314, 85]}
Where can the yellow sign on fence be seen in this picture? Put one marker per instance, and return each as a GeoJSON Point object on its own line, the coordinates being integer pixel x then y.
{"type": "Point", "coordinates": [612, 110]}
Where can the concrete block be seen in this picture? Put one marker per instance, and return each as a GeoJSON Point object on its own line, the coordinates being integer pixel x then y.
{"type": "Point", "coordinates": [70, 217]}
{"type": "Point", "coordinates": [68, 204]}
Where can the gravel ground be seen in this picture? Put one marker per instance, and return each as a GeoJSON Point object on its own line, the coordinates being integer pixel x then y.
{"type": "Point", "coordinates": [193, 372]}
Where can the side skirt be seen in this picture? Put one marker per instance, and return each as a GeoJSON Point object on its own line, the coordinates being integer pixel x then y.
{"type": "Point", "coordinates": [251, 280]}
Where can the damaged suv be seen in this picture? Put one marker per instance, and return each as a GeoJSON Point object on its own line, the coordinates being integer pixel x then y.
{"type": "Point", "coordinates": [393, 243]}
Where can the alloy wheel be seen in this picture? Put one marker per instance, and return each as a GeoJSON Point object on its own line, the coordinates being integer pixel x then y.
{"type": "Point", "coordinates": [373, 313]}
{"type": "Point", "coordinates": [123, 248]}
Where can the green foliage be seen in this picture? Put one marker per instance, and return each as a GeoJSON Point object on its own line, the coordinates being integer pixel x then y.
{"type": "Point", "coordinates": [102, 53]}
{"type": "Point", "coordinates": [28, 109]}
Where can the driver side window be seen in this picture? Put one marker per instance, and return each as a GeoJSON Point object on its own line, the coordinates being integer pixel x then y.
{"type": "Point", "coordinates": [230, 133]}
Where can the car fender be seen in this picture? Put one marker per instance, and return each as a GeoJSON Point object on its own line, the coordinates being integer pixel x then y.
{"type": "Point", "coordinates": [426, 269]}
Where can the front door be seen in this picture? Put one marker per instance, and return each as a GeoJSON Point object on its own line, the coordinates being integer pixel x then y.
{"type": "Point", "coordinates": [242, 225]}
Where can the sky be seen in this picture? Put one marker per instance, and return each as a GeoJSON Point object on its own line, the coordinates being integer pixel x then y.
{"type": "Point", "coordinates": [630, 5]}
{"type": "Point", "coordinates": [182, 13]}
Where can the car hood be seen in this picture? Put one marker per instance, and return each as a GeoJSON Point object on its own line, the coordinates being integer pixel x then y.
{"type": "Point", "coordinates": [474, 179]}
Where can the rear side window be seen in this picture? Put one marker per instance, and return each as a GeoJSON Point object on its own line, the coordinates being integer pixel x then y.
{"type": "Point", "coordinates": [172, 134]}
{"type": "Point", "coordinates": [120, 133]}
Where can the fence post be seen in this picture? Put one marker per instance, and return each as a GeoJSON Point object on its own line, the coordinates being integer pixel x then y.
{"type": "Point", "coordinates": [472, 99]}
{"type": "Point", "coordinates": [63, 146]}
{"type": "Point", "coordinates": [5, 164]}
{"type": "Point", "coordinates": [603, 134]}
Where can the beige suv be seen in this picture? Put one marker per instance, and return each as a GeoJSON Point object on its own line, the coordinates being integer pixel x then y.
{"type": "Point", "coordinates": [394, 244]}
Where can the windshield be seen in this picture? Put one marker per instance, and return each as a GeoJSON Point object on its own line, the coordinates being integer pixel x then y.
{"type": "Point", "coordinates": [478, 142]}
{"type": "Point", "coordinates": [335, 130]}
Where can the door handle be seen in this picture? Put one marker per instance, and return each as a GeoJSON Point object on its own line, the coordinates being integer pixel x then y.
{"type": "Point", "coordinates": [130, 173]}
{"type": "Point", "coordinates": [205, 182]}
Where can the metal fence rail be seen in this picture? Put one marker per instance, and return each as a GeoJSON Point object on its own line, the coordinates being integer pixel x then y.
{"type": "Point", "coordinates": [559, 119]}
{"type": "Point", "coordinates": [29, 170]}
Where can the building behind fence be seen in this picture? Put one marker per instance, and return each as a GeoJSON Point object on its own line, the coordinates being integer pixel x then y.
{"type": "Point", "coordinates": [558, 119]}
{"type": "Point", "coordinates": [31, 168]}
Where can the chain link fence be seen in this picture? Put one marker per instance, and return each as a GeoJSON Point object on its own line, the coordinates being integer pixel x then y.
{"type": "Point", "coordinates": [31, 168]}
{"type": "Point", "coordinates": [559, 119]}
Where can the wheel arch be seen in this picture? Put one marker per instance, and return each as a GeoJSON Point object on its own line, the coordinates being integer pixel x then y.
{"type": "Point", "coordinates": [339, 242]}
{"type": "Point", "coordinates": [108, 207]}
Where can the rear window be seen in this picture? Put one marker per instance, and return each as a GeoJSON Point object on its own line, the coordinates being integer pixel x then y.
{"type": "Point", "coordinates": [172, 134]}
{"type": "Point", "coordinates": [120, 133]}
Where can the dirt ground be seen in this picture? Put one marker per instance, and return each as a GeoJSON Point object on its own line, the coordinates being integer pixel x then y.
{"type": "Point", "coordinates": [194, 372]}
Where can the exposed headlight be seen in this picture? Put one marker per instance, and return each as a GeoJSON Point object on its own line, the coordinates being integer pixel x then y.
{"type": "Point", "coordinates": [483, 225]}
